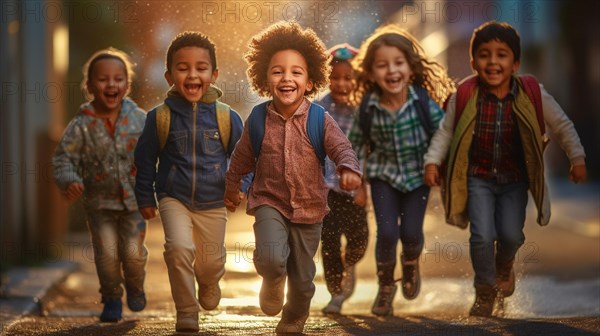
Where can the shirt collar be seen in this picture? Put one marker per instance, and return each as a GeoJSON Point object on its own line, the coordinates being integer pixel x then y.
{"type": "Point", "coordinates": [512, 93]}
{"type": "Point", "coordinates": [375, 98]}
{"type": "Point", "coordinates": [303, 108]}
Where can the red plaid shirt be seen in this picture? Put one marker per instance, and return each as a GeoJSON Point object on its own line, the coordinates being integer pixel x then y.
{"type": "Point", "coordinates": [496, 152]}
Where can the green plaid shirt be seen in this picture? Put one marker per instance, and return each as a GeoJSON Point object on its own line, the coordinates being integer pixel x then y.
{"type": "Point", "coordinates": [400, 142]}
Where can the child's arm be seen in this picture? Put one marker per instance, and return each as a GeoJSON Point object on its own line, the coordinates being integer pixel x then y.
{"type": "Point", "coordinates": [339, 149]}
{"type": "Point", "coordinates": [67, 160]}
{"type": "Point", "coordinates": [564, 131]}
{"type": "Point", "coordinates": [439, 145]}
{"type": "Point", "coordinates": [145, 158]}
{"type": "Point", "coordinates": [240, 164]}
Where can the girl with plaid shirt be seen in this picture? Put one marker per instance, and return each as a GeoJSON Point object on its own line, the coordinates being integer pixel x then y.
{"type": "Point", "coordinates": [391, 66]}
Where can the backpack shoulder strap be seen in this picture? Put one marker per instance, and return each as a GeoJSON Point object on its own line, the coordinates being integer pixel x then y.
{"type": "Point", "coordinates": [256, 127]}
{"type": "Point", "coordinates": [365, 119]}
{"type": "Point", "coordinates": [315, 127]}
{"type": "Point", "coordinates": [224, 123]}
{"type": "Point", "coordinates": [463, 94]}
{"type": "Point", "coordinates": [532, 89]}
{"type": "Point", "coordinates": [163, 124]}
{"type": "Point", "coordinates": [423, 110]}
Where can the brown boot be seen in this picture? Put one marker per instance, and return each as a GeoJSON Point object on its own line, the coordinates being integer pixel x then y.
{"type": "Point", "coordinates": [485, 297]}
{"type": "Point", "coordinates": [505, 278]}
{"type": "Point", "coordinates": [411, 279]}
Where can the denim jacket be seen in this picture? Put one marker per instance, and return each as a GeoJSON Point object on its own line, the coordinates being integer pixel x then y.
{"type": "Point", "coordinates": [100, 158]}
{"type": "Point", "coordinates": [192, 165]}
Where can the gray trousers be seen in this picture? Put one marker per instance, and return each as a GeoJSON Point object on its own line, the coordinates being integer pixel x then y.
{"type": "Point", "coordinates": [285, 248]}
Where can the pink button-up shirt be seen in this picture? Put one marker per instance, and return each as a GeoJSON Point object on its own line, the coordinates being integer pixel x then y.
{"type": "Point", "coordinates": [288, 174]}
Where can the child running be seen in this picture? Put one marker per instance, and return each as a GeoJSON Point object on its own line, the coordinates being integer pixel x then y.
{"type": "Point", "coordinates": [493, 136]}
{"type": "Point", "coordinates": [399, 90]}
{"type": "Point", "coordinates": [288, 197]}
{"type": "Point", "coordinates": [347, 216]}
{"type": "Point", "coordinates": [191, 136]}
{"type": "Point", "coordinates": [94, 159]}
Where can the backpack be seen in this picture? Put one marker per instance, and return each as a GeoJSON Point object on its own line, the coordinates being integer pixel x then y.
{"type": "Point", "coordinates": [315, 127]}
{"type": "Point", "coordinates": [531, 87]}
{"type": "Point", "coordinates": [365, 116]}
{"type": "Point", "coordinates": [163, 123]}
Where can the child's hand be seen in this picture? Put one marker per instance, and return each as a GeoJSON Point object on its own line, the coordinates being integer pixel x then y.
{"type": "Point", "coordinates": [361, 196]}
{"type": "Point", "coordinates": [349, 180]}
{"type": "Point", "coordinates": [578, 173]}
{"type": "Point", "coordinates": [232, 199]}
{"type": "Point", "coordinates": [432, 175]}
{"type": "Point", "coordinates": [74, 191]}
{"type": "Point", "coordinates": [148, 213]}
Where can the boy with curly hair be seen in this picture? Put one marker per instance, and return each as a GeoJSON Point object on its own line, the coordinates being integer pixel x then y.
{"type": "Point", "coordinates": [288, 197]}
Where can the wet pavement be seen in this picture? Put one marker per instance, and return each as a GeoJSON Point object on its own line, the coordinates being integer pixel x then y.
{"type": "Point", "coordinates": [558, 287]}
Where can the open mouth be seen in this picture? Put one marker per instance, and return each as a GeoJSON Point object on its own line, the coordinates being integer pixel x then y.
{"type": "Point", "coordinates": [111, 97]}
{"type": "Point", "coordinates": [287, 90]}
{"type": "Point", "coordinates": [393, 81]}
{"type": "Point", "coordinates": [192, 88]}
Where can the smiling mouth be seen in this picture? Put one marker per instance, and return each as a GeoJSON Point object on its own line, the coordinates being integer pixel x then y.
{"type": "Point", "coordinates": [393, 81]}
{"type": "Point", "coordinates": [192, 88]}
{"type": "Point", "coordinates": [287, 90]}
{"type": "Point", "coordinates": [112, 96]}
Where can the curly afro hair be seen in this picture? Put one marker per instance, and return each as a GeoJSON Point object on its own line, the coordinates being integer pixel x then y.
{"type": "Point", "coordinates": [285, 36]}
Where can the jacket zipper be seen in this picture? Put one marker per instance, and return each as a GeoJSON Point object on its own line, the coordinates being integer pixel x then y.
{"type": "Point", "coordinates": [194, 105]}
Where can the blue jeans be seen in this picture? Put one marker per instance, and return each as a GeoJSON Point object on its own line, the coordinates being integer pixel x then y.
{"type": "Point", "coordinates": [497, 216]}
{"type": "Point", "coordinates": [399, 215]}
{"type": "Point", "coordinates": [118, 242]}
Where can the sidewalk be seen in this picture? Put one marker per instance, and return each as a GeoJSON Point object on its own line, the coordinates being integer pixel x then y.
{"type": "Point", "coordinates": [558, 290]}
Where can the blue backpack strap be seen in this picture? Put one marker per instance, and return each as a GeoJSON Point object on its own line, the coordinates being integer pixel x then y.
{"type": "Point", "coordinates": [423, 110]}
{"type": "Point", "coordinates": [256, 127]}
{"type": "Point", "coordinates": [315, 127]}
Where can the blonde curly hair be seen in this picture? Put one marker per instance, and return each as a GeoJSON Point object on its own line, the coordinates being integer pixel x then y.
{"type": "Point", "coordinates": [285, 36]}
{"type": "Point", "coordinates": [427, 73]}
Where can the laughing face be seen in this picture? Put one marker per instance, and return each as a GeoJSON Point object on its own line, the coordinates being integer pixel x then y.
{"type": "Point", "coordinates": [495, 63]}
{"type": "Point", "coordinates": [108, 84]}
{"type": "Point", "coordinates": [391, 70]}
{"type": "Point", "coordinates": [191, 73]}
{"type": "Point", "coordinates": [288, 80]}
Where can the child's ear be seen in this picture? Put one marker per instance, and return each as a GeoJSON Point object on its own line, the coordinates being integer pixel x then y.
{"type": "Point", "coordinates": [215, 75]}
{"type": "Point", "coordinates": [516, 66]}
{"type": "Point", "coordinates": [309, 85]}
{"type": "Point", "coordinates": [169, 78]}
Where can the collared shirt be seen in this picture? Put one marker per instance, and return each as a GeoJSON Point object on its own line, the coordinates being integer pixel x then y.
{"type": "Point", "coordinates": [343, 114]}
{"type": "Point", "coordinates": [100, 155]}
{"type": "Point", "coordinates": [400, 142]}
{"type": "Point", "coordinates": [288, 173]}
{"type": "Point", "coordinates": [496, 152]}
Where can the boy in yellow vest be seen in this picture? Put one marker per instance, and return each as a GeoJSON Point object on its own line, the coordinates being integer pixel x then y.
{"type": "Point", "coordinates": [191, 136]}
{"type": "Point", "coordinates": [493, 144]}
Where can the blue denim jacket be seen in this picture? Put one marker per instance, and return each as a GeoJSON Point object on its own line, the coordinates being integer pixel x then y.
{"type": "Point", "coordinates": [192, 165]}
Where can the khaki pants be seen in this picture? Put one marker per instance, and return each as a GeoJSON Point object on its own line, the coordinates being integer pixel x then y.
{"type": "Point", "coordinates": [193, 249]}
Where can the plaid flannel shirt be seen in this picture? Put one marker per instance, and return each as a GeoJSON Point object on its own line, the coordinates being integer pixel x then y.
{"type": "Point", "coordinates": [400, 142]}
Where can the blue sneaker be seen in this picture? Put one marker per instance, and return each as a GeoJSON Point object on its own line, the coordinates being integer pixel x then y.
{"type": "Point", "coordinates": [113, 310]}
{"type": "Point", "coordinates": [136, 301]}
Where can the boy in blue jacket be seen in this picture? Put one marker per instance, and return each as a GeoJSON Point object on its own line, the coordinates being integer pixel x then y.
{"type": "Point", "coordinates": [191, 136]}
